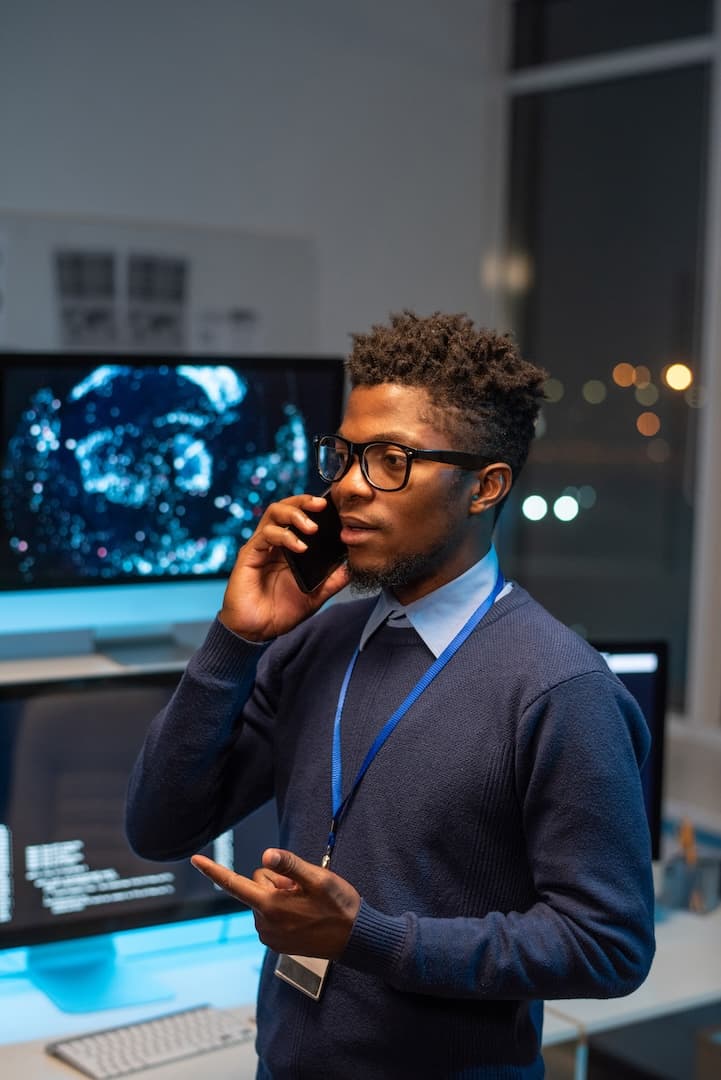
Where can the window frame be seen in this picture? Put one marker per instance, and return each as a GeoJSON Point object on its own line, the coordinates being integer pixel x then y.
{"type": "Point", "coordinates": [703, 678]}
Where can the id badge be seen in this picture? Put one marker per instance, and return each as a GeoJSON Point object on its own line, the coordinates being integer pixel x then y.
{"type": "Point", "coordinates": [305, 973]}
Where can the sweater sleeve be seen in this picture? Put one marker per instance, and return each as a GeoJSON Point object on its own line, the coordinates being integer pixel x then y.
{"type": "Point", "coordinates": [203, 766]}
{"type": "Point", "coordinates": [589, 932]}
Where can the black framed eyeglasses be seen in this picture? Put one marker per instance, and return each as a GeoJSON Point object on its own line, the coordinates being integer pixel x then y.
{"type": "Point", "coordinates": [385, 465]}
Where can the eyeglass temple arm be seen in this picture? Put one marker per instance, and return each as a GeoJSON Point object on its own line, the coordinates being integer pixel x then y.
{"type": "Point", "coordinates": [452, 457]}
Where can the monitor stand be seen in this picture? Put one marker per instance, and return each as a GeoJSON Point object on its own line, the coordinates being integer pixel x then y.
{"type": "Point", "coordinates": [85, 975]}
{"type": "Point", "coordinates": [151, 653]}
{"type": "Point", "coordinates": [154, 647]}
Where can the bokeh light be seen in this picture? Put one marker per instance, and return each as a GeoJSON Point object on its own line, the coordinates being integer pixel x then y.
{"type": "Point", "coordinates": [512, 271]}
{"type": "Point", "coordinates": [658, 451]}
{"type": "Point", "coordinates": [586, 496]}
{"type": "Point", "coordinates": [519, 272]}
{"type": "Point", "coordinates": [534, 507]}
{"type": "Point", "coordinates": [648, 424]}
{"type": "Point", "coordinates": [641, 376]}
{"type": "Point", "coordinates": [491, 270]}
{"type": "Point", "coordinates": [553, 390]}
{"type": "Point", "coordinates": [594, 391]}
{"type": "Point", "coordinates": [695, 397]}
{"type": "Point", "coordinates": [565, 508]}
{"type": "Point", "coordinates": [646, 395]}
{"type": "Point", "coordinates": [624, 374]}
{"type": "Point", "coordinates": [678, 376]}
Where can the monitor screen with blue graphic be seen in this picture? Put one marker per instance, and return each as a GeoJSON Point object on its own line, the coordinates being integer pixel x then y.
{"type": "Point", "coordinates": [126, 469]}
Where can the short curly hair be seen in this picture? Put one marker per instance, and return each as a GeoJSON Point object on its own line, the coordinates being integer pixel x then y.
{"type": "Point", "coordinates": [484, 395]}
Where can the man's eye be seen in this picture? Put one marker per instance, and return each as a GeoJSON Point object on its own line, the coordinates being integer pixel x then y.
{"type": "Point", "coordinates": [394, 459]}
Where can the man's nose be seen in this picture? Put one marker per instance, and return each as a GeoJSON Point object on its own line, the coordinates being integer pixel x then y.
{"type": "Point", "coordinates": [354, 482]}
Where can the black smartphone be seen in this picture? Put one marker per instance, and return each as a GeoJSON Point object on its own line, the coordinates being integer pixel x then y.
{"type": "Point", "coordinates": [324, 552]}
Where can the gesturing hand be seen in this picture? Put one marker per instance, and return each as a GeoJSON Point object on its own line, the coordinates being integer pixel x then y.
{"type": "Point", "coordinates": [299, 908]}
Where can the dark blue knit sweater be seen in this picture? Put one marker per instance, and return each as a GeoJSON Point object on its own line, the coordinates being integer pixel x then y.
{"type": "Point", "coordinates": [498, 840]}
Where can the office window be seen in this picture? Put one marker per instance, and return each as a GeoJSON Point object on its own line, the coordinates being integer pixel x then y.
{"type": "Point", "coordinates": [547, 31]}
{"type": "Point", "coordinates": [606, 232]}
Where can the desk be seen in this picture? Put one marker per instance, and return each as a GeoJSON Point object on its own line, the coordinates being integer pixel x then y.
{"type": "Point", "coordinates": [214, 961]}
{"type": "Point", "coordinates": [28, 1061]}
{"type": "Point", "coordinates": [686, 973]}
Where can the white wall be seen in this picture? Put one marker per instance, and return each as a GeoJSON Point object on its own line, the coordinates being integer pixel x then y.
{"type": "Point", "coordinates": [372, 129]}
{"type": "Point", "coordinates": [371, 132]}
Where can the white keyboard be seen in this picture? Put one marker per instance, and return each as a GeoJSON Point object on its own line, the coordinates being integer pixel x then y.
{"type": "Point", "coordinates": [131, 1048]}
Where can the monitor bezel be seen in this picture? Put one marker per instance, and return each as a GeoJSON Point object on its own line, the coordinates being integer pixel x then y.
{"type": "Point", "coordinates": [101, 924]}
{"type": "Point", "coordinates": [656, 756]}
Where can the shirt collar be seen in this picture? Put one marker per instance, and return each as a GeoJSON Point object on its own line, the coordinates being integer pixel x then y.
{"type": "Point", "coordinates": [438, 616]}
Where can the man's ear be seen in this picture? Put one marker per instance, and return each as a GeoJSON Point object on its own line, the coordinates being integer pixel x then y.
{"type": "Point", "coordinates": [493, 484]}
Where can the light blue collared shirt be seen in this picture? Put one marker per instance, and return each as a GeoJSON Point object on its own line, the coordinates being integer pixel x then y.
{"type": "Point", "coordinates": [438, 616]}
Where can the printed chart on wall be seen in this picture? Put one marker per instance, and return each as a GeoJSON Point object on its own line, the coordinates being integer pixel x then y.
{"type": "Point", "coordinates": [85, 284]}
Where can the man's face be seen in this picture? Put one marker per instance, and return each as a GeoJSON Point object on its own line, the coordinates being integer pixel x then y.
{"type": "Point", "coordinates": [416, 539]}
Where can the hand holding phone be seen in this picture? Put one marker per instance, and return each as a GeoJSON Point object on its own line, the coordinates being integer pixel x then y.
{"type": "Point", "coordinates": [324, 552]}
{"type": "Point", "coordinates": [261, 599]}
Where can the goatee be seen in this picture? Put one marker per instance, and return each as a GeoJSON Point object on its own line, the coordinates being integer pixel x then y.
{"type": "Point", "coordinates": [406, 570]}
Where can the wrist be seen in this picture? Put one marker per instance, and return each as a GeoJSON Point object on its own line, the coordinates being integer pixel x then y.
{"type": "Point", "coordinates": [248, 634]}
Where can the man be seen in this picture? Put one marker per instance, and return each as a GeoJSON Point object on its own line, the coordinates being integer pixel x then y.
{"type": "Point", "coordinates": [488, 847]}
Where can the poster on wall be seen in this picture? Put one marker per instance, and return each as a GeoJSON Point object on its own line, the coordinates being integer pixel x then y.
{"type": "Point", "coordinates": [157, 302]}
{"type": "Point", "coordinates": [231, 332]}
{"type": "Point", "coordinates": [106, 300]}
{"type": "Point", "coordinates": [91, 284]}
{"type": "Point", "coordinates": [86, 299]}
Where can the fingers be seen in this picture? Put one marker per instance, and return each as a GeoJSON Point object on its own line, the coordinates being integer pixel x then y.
{"type": "Point", "coordinates": [281, 869]}
{"type": "Point", "coordinates": [288, 865]}
{"type": "Point", "coordinates": [270, 880]}
{"type": "Point", "coordinates": [332, 584]}
{"type": "Point", "coordinates": [262, 598]}
{"type": "Point", "coordinates": [277, 526]}
{"type": "Point", "coordinates": [242, 888]}
{"type": "Point", "coordinates": [297, 907]}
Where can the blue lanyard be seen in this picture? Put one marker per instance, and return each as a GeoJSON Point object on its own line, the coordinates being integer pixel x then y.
{"type": "Point", "coordinates": [340, 804]}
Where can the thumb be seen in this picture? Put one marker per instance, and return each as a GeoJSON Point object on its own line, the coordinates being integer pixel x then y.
{"type": "Point", "coordinates": [291, 866]}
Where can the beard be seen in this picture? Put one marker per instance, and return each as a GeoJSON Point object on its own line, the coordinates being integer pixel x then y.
{"type": "Point", "coordinates": [408, 569]}
{"type": "Point", "coordinates": [405, 570]}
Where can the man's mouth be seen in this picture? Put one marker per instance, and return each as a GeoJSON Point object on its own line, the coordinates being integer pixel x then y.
{"type": "Point", "coordinates": [355, 530]}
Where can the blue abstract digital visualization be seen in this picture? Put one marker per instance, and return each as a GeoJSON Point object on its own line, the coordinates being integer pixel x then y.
{"type": "Point", "coordinates": [145, 472]}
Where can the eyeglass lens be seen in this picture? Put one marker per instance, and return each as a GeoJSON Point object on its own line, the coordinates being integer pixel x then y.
{"type": "Point", "coordinates": [385, 464]}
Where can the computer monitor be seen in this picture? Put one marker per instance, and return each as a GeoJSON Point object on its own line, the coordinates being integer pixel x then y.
{"type": "Point", "coordinates": [68, 878]}
{"type": "Point", "coordinates": [145, 472]}
{"type": "Point", "coordinates": [642, 666]}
